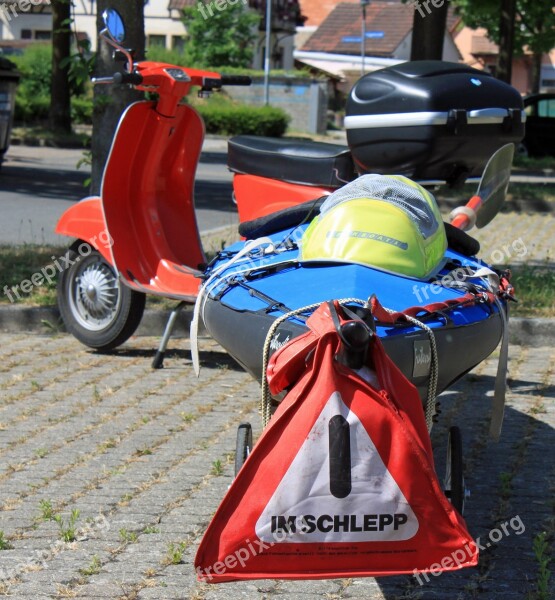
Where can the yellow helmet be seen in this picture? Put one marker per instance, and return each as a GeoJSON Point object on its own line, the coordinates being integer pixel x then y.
{"type": "Point", "coordinates": [384, 221]}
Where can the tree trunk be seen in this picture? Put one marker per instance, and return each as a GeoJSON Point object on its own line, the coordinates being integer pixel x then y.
{"type": "Point", "coordinates": [111, 100]}
{"type": "Point", "coordinates": [60, 103]}
{"type": "Point", "coordinates": [428, 31]}
{"type": "Point", "coordinates": [536, 73]}
{"type": "Point", "coordinates": [506, 40]}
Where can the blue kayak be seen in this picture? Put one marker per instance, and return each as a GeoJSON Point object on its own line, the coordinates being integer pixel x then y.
{"type": "Point", "coordinates": [242, 297]}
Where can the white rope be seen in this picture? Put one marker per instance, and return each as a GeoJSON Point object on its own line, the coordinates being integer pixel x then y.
{"type": "Point", "coordinates": [434, 372]}
{"type": "Point", "coordinates": [266, 399]}
{"type": "Point", "coordinates": [248, 247]}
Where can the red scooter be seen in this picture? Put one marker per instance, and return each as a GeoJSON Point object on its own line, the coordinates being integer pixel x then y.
{"type": "Point", "coordinates": [141, 236]}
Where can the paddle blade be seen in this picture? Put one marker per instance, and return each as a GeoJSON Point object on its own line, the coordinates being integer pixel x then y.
{"type": "Point", "coordinates": [494, 183]}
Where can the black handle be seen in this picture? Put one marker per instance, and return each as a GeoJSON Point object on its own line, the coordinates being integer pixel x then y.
{"type": "Point", "coordinates": [355, 336]}
{"type": "Point", "coordinates": [132, 78]}
{"type": "Point", "coordinates": [236, 80]}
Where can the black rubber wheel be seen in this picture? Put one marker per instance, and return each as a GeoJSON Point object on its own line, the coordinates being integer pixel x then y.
{"type": "Point", "coordinates": [454, 471]}
{"type": "Point", "coordinates": [243, 445]}
{"type": "Point", "coordinates": [95, 306]}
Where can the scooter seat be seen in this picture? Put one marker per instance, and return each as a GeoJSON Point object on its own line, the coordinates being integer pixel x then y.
{"type": "Point", "coordinates": [294, 161]}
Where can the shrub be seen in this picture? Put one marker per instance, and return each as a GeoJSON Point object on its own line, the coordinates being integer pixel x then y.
{"type": "Point", "coordinates": [82, 109]}
{"type": "Point", "coordinates": [32, 99]}
{"type": "Point", "coordinates": [242, 119]}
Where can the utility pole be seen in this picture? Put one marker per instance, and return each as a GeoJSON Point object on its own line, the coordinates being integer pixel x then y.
{"type": "Point", "coordinates": [363, 5]}
{"type": "Point", "coordinates": [267, 54]}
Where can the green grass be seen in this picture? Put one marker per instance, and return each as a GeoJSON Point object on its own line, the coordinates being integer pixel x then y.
{"type": "Point", "coordinates": [94, 567]}
{"type": "Point", "coordinates": [4, 543]}
{"type": "Point", "coordinates": [535, 291]}
{"type": "Point", "coordinates": [518, 192]}
{"type": "Point", "coordinates": [175, 553]}
{"type": "Point", "coordinates": [541, 552]}
{"type": "Point", "coordinates": [534, 285]}
{"type": "Point", "coordinates": [534, 164]}
{"type": "Point", "coordinates": [68, 530]}
{"type": "Point", "coordinates": [19, 263]}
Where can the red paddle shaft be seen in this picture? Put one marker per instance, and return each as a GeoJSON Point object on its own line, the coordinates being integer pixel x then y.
{"type": "Point", "coordinates": [465, 216]}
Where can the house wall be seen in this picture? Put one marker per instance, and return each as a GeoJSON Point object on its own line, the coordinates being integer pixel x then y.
{"type": "Point", "coordinates": [476, 39]}
{"type": "Point", "coordinates": [548, 72]}
{"type": "Point", "coordinates": [158, 22]}
{"type": "Point", "coordinates": [450, 51]}
{"type": "Point", "coordinates": [12, 27]}
{"type": "Point", "coordinates": [282, 51]}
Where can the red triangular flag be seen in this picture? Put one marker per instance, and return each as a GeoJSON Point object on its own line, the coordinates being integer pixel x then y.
{"type": "Point", "coordinates": [340, 484]}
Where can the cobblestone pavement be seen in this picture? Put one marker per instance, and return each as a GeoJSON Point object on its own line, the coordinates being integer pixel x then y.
{"type": "Point", "coordinates": [145, 456]}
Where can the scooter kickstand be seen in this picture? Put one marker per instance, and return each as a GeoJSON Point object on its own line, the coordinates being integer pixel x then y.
{"type": "Point", "coordinates": [158, 362]}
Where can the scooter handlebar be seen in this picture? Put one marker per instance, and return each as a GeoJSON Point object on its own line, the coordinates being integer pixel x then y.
{"type": "Point", "coordinates": [117, 78]}
{"type": "Point", "coordinates": [132, 78]}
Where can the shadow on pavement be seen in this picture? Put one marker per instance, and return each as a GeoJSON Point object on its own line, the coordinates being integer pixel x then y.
{"type": "Point", "coordinates": [70, 186]}
{"type": "Point", "coordinates": [44, 183]}
{"type": "Point", "coordinates": [511, 485]}
{"type": "Point", "coordinates": [209, 359]}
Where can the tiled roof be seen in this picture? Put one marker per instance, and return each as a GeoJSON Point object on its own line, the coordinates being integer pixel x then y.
{"type": "Point", "coordinates": [180, 4]}
{"type": "Point", "coordinates": [316, 11]}
{"type": "Point", "coordinates": [481, 45]}
{"type": "Point", "coordinates": [389, 21]}
{"type": "Point", "coordinates": [393, 19]}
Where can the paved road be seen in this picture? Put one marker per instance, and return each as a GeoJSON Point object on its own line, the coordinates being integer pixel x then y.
{"type": "Point", "coordinates": [38, 184]}
{"type": "Point", "coordinates": [133, 450]}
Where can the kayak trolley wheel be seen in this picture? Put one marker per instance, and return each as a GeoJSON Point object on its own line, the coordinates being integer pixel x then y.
{"type": "Point", "coordinates": [454, 473]}
{"type": "Point", "coordinates": [243, 446]}
{"type": "Point", "coordinates": [95, 306]}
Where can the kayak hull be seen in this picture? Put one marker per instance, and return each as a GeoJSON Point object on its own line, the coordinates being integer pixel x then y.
{"type": "Point", "coordinates": [242, 301]}
{"type": "Point", "coordinates": [460, 348]}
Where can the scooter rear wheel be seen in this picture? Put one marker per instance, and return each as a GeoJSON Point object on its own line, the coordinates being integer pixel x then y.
{"type": "Point", "coordinates": [95, 306]}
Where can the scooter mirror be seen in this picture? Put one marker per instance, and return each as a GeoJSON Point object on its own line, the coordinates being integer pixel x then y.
{"type": "Point", "coordinates": [114, 25]}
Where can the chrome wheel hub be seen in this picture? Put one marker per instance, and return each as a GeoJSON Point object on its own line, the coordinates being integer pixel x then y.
{"type": "Point", "coordinates": [94, 297]}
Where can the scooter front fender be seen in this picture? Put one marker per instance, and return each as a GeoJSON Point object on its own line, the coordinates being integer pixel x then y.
{"type": "Point", "coordinates": [85, 221]}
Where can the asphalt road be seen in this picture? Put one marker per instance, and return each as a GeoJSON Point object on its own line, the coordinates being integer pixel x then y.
{"type": "Point", "coordinates": [38, 184]}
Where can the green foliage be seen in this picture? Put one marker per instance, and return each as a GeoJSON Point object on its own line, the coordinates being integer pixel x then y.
{"type": "Point", "coordinates": [162, 54]}
{"type": "Point", "coordinates": [32, 100]}
{"type": "Point", "coordinates": [68, 531]}
{"type": "Point", "coordinates": [47, 510]}
{"type": "Point", "coordinates": [94, 567]}
{"type": "Point", "coordinates": [82, 109]}
{"type": "Point", "coordinates": [128, 537]}
{"type": "Point", "coordinates": [541, 552]}
{"type": "Point", "coordinates": [535, 22]}
{"type": "Point", "coordinates": [81, 66]}
{"type": "Point", "coordinates": [181, 59]}
{"type": "Point", "coordinates": [227, 118]}
{"type": "Point", "coordinates": [175, 553]}
{"type": "Point", "coordinates": [225, 37]}
{"type": "Point", "coordinates": [217, 468]}
{"type": "Point", "coordinates": [4, 543]}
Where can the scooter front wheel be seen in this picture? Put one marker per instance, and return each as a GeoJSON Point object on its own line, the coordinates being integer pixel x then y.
{"type": "Point", "coordinates": [95, 306]}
